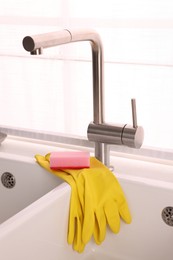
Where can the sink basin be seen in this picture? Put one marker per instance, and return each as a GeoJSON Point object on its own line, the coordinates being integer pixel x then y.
{"type": "Point", "coordinates": [36, 211]}
{"type": "Point", "coordinates": [22, 183]}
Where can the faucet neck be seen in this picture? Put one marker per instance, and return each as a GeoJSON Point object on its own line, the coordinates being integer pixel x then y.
{"type": "Point", "coordinates": [38, 42]}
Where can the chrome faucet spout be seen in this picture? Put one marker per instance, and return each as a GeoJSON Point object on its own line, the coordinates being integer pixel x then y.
{"type": "Point", "coordinates": [34, 44]}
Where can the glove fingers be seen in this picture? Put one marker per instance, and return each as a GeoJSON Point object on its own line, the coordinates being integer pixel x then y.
{"type": "Point", "coordinates": [42, 162]}
{"type": "Point", "coordinates": [99, 227]}
{"type": "Point", "coordinates": [88, 226]}
{"type": "Point", "coordinates": [122, 204]}
{"type": "Point", "coordinates": [71, 224]}
{"type": "Point", "coordinates": [123, 208]}
{"type": "Point", "coordinates": [125, 213]}
{"type": "Point", "coordinates": [47, 157]}
{"type": "Point", "coordinates": [78, 244]}
{"type": "Point", "coordinates": [86, 200]}
{"type": "Point", "coordinates": [75, 222]}
{"type": "Point", "coordinates": [112, 216]}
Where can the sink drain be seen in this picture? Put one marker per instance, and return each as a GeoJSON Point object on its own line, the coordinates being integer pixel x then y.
{"type": "Point", "coordinates": [167, 215]}
{"type": "Point", "coordinates": [8, 180]}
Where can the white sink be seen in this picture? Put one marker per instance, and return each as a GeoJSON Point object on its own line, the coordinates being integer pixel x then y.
{"type": "Point", "coordinates": [30, 183]}
{"type": "Point", "coordinates": [39, 231]}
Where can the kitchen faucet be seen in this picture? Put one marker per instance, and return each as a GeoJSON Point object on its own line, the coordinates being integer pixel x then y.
{"type": "Point", "coordinates": [99, 132]}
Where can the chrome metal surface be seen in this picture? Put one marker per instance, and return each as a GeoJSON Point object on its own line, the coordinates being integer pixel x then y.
{"type": "Point", "coordinates": [41, 41]}
{"type": "Point", "coordinates": [109, 134]}
{"type": "Point", "coordinates": [98, 131]}
{"type": "Point", "coordinates": [116, 134]}
{"type": "Point", "coordinates": [134, 114]}
{"type": "Point", "coordinates": [37, 42]}
{"type": "Point", "coordinates": [167, 215]}
{"type": "Point", "coordinates": [8, 180]}
{"type": "Point", "coordinates": [37, 51]}
{"type": "Point", "coordinates": [133, 137]}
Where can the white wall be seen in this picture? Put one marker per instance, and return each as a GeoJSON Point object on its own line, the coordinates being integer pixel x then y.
{"type": "Point", "coordinates": [51, 93]}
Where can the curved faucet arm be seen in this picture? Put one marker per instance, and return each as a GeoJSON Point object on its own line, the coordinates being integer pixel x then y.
{"type": "Point", "coordinates": [47, 40]}
{"type": "Point", "coordinates": [35, 43]}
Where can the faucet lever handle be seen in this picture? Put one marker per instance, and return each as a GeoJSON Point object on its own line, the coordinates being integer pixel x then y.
{"type": "Point", "coordinates": [134, 114]}
{"type": "Point", "coordinates": [133, 135]}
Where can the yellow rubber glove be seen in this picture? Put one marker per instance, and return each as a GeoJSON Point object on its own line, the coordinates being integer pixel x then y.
{"type": "Point", "coordinates": [75, 214]}
{"type": "Point", "coordinates": [102, 199]}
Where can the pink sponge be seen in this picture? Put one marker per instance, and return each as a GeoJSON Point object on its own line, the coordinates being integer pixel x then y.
{"type": "Point", "coordinates": [69, 160]}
